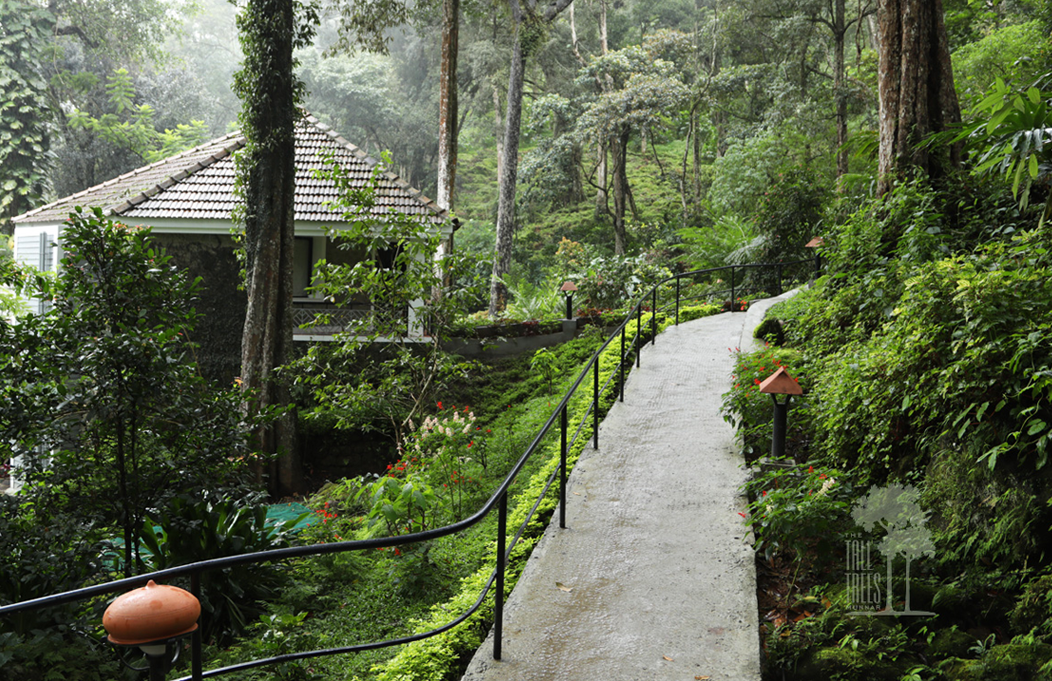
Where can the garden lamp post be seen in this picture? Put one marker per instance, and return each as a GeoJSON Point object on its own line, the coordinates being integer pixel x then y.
{"type": "Point", "coordinates": [152, 618]}
{"type": "Point", "coordinates": [780, 383]}
{"type": "Point", "coordinates": [568, 288]}
{"type": "Point", "coordinates": [815, 243]}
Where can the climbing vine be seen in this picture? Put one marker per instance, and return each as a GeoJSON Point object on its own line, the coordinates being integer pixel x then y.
{"type": "Point", "coordinates": [24, 113]}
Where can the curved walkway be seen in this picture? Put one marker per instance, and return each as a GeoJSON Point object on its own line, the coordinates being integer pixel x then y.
{"type": "Point", "coordinates": [651, 579]}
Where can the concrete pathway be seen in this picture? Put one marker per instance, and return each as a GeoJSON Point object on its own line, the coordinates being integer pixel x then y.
{"type": "Point", "coordinates": [651, 580]}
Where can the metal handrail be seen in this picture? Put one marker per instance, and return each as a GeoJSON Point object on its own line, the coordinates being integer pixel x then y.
{"type": "Point", "coordinates": [499, 499]}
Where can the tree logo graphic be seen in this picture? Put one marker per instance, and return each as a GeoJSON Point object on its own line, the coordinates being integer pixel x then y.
{"type": "Point", "coordinates": [894, 514]}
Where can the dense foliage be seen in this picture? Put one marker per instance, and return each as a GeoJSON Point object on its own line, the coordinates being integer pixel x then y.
{"type": "Point", "coordinates": [925, 352]}
{"type": "Point", "coordinates": [107, 422]}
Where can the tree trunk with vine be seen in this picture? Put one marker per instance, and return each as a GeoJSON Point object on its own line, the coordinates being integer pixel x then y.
{"type": "Point", "coordinates": [266, 180]}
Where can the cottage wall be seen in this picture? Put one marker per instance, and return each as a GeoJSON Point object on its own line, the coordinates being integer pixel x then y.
{"type": "Point", "coordinates": [222, 301]}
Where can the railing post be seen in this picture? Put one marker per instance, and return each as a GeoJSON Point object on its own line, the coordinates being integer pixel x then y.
{"type": "Point", "coordinates": [621, 385]}
{"type": "Point", "coordinates": [733, 306]}
{"type": "Point", "coordinates": [195, 638]}
{"type": "Point", "coordinates": [562, 471]}
{"type": "Point", "coordinates": [677, 301]}
{"type": "Point", "coordinates": [653, 317]}
{"type": "Point", "coordinates": [498, 595]}
{"type": "Point", "coordinates": [636, 343]}
{"type": "Point", "coordinates": [595, 404]}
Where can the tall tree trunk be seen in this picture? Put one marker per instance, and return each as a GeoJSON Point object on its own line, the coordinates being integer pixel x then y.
{"type": "Point", "coordinates": [619, 152]}
{"type": "Point", "coordinates": [498, 130]}
{"type": "Point", "coordinates": [267, 179]}
{"type": "Point", "coordinates": [498, 292]}
{"type": "Point", "coordinates": [604, 43]}
{"type": "Point", "coordinates": [839, 33]}
{"type": "Point", "coordinates": [447, 104]}
{"type": "Point", "coordinates": [696, 124]}
{"type": "Point", "coordinates": [917, 96]}
{"type": "Point", "coordinates": [602, 199]}
{"type": "Point", "coordinates": [602, 180]}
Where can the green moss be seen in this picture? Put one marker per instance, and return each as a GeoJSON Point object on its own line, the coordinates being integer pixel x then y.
{"type": "Point", "coordinates": [770, 330]}
{"type": "Point", "coordinates": [846, 663]}
{"type": "Point", "coordinates": [1034, 607]}
{"type": "Point", "coordinates": [949, 643]}
{"type": "Point", "coordinates": [1009, 662]}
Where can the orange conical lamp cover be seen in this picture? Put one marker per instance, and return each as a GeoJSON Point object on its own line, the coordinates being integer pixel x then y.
{"type": "Point", "coordinates": [153, 613]}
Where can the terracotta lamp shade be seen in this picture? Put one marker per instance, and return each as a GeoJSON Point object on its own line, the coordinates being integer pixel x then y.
{"type": "Point", "coordinates": [815, 242]}
{"type": "Point", "coordinates": [568, 287]}
{"type": "Point", "coordinates": [153, 613]}
{"type": "Point", "coordinates": [781, 383]}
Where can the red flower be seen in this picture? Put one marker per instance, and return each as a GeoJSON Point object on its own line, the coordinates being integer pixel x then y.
{"type": "Point", "coordinates": [810, 469]}
{"type": "Point", "coordinates": [440, 404]}
{"type": "Point", "coordinates": [756, 381]}
{"type": "Point", "coordinates": [742, 514]}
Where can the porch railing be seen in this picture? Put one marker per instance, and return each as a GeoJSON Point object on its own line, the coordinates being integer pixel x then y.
{"type": "Point", "coordinates": [664, 296]}
{"type": "Point", "coordinates": [328, 320]}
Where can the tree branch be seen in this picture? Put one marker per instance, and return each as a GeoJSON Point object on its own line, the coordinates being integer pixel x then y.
{"type": "Point", "coordinates": [554, 8]}
{"type": "Point", "coordinates": [77, 31]}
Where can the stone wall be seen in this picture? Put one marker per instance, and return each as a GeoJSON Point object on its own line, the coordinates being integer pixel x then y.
{"type": "Point", "coordinates": [221, 301]}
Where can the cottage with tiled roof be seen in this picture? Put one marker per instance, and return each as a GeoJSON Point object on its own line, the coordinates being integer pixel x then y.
{"type": "Point", "coordinates": [188, 200]}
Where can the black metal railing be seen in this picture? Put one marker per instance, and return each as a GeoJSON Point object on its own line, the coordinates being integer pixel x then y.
{"type": "Point", "coordinates": [498, 500]}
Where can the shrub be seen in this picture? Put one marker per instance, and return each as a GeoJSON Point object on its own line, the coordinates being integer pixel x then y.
{"type": "Point", "coordinates": [99, 394]}
{"type": "Point", "coordinates": [193, 530]}
{"type": "Point", "coordinates": [610, 282]}
{"type": "Point", "coordinates": [799, 511]}
{"type": "Point", "coordinates": [751, 411]}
